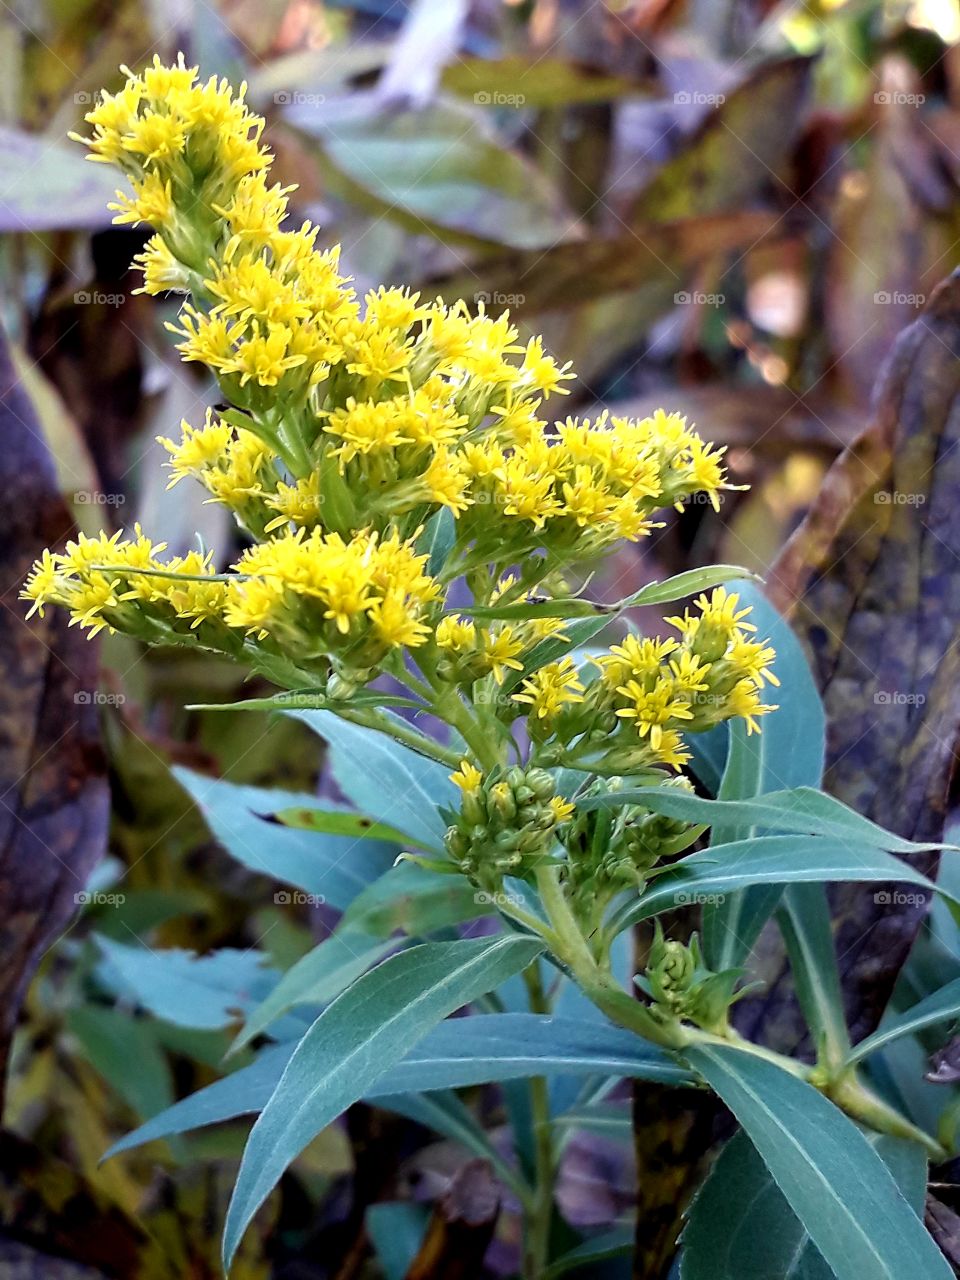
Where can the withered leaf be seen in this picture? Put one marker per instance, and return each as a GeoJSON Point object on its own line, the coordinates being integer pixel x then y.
{"type": "Point", "coordinates": [53, 794]}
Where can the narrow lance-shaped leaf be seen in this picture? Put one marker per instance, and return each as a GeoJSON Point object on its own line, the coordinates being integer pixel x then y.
{"type": "Point", "coordinates": [833, 1180]}
{"type": "Point", "coordinates": [800, 810]}
{"type": "Point", "coordinates": [740, 1227]}
{"type": "Point", "coordinates": [456, 1054]}
{"type": "Point", "coordinates": [353, 1042]}
{"type": "Point", "coordinates": [317, 978]}
{"type": "Point", "coordinates": [940, 1006]}
{"type": "Point", "coordinates": [726, 868]}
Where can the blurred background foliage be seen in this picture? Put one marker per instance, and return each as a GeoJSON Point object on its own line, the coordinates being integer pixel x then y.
{"type": "Point", "coordinates": [727, 207]}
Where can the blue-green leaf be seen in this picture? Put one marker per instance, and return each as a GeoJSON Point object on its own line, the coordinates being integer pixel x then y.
{"type": "Point", "coordinates": [798, 811]}
{"type": "Point", "coordinates": [740, 1227]}
{"type": "Point", "coordinates": [833, 1180]}
{"type": "Point", "coordinates": [416, 900]}
{"type": "Point", "coordinates": [385, 780]}
{"type": "Point", "coordinates": [465, 1051]}
{"type": "Point", "coordinates": [788, 753]}
{"type": "Point", "coordinates": [354, 1042]}
{"type": "Point", "coordinates": [940, 1006]}
{"type": "Point", "coordinates": [396, 1230]}
{"type": "Point", "coordinates": [330, 867]}
{"type": "Point", "coordinates": [184, 988]}
{"type": "Point", "coordinates": [725, 868]}
{"type": "Point", "coordinates": [317, 978]}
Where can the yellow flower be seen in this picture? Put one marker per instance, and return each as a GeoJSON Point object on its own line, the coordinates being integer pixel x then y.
{"type": "Point", "coordinates": [550, 688]}
{"type": "Point", "coordinates": [457, 634]}
{"type": "Point", "coordinates": [653, 709]}
{"type": "Point", "coordinates": [468, 777]}
{"type": "Point", "coordinates": [500, 649]}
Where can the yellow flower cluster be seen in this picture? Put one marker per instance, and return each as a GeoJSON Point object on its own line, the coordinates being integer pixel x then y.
{"type": "Point", "coordinates": [351, 424]}
{"type": "Point", "coordinates": [714, 672]}
{"type": "Point", "coordinates": [184, 597]}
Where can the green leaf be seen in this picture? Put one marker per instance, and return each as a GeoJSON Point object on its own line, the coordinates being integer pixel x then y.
{"type": "Point", "coordinates": [333, 868]}
{"type": "Point", "coordinates": [800, 811]}
{"type": "Point", "coordinates": [385, 780]}
{"type": "Point", "coordinates": [788, 753]}
{"type": "Point", "coordinates": [243, 1092]}
{"type": "Point", "coordinates": [804, 919]}
{"type": "Point", "coordinates": [437, 539]}
{"type": "Point", "coordinates": [310, 700]}
{"type": "Point", "coordinates": [940, 1006]}
{"type": "Point", "coordinates": [317, 978]}
{"type": "Point", "coordinates": [666, 592]}
{"type": "Point", "coordinates": [125, 1051]}
{"type": "Point", "coordinates": [688, 583]}
{"type": "Point", "coordinates": [547, 82]}
{"type": "Point", "coordinates": [340, 822]}
{"type": "Point", "coordinates": [396, 1230]}
{"type": "Point", "coordinates": [184, 988]}
{"type": "Point", "coordinates": [726, 868]}
{"type": "Point", "coordinates": [740, 1227]}
{"type": "Point", "coordinates": [354, 1042]}
{"type": "Point", "coordinates": [417, 901]}
{"type": "Point", "coordinates": [833, 1180]}
{"type": "Point", "coordinates": [510, 1046]}
{"type": "Point", "coordinates": [616, 1243]}
{"type": "Point", "coordinates": [460, 1053]}
{"type": "Point", "coordinates": [440, 169]}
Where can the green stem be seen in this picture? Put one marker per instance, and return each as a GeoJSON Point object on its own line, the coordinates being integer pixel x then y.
{"type": "Point", "coordinates": [846, 1092]}
{"type": "Point", "coordinates": [401, 732]}
{"type": "Point", "coordinates": [539, 1213]}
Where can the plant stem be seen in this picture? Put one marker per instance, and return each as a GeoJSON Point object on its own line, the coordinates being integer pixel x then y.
{"type": "Point", "coordinates": [539, 1215]}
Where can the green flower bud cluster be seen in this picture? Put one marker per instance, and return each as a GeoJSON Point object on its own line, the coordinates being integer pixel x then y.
{"type": "Point", "coordinates": [507, 824]}
{"type": "Point", "coordinates": [682, 987]}
{"type": "Point", "coordinates": [612, 849]}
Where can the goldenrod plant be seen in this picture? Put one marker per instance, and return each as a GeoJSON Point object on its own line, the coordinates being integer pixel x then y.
{"type": "Point", "coordinates": [416, 512]}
